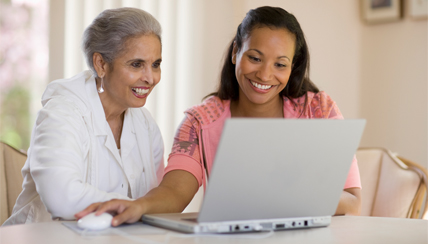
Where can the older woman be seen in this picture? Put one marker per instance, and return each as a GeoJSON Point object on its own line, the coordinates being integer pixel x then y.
{"type": "Point", "coordinates": [92, 140]}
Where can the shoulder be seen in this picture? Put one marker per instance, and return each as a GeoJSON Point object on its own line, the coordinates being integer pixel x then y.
{"type": "Point", "coordinates": [319, 105]}
{"type": "Point", "coordinates": [74, 85]}
{"type": "Point", "coordinates": [209, 111]}
{"type": "Point", "coordinates": [71, 91]}
{"type": "Point", "coordinates": [319, 99]}
{"type": "Point", "coordinates": [64, 109]}
{"type": "Point", "coordinates": [63, 106]}
{"type": "Point", "coordinates": [62, 116]}
{"type": "Point", "coordinates": [61, 124]}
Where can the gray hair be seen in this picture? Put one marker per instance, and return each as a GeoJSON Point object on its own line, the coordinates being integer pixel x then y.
{"type": "Point", "coordinates": [110, 30]}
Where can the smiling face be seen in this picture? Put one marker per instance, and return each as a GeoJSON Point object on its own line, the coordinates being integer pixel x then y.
{"type": "Point", "coordinates": [263, 65]}
{"type": "Point", "coordinates": [130, 78]}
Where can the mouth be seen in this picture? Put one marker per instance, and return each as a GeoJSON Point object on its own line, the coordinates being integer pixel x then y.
{"type": "Point", "coordinates": [140, 91]}
{"type": "Point", "coordinates": [260, 86]}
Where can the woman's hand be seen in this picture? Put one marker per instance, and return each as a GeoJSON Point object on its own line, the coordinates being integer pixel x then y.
{"type": "Point", "coordinates": [350, 202]}
{"type": "Point", "coordinates": [124, 211]}
{"type": "Point", "coordinates": [173, 194]}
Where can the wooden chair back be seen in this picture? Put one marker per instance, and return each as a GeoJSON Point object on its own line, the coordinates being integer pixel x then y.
{"type": "Point", "coordinates": [11, 163]}
{"type": "Point", "coordinates": [392, 186]}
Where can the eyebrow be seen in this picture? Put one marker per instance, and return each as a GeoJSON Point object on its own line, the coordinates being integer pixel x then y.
{"type": "Point", "coordinates": [136, 60]}
{"type": "Point", "coordinates": [142, 60]}
{"type": "Point", "coordinates": [263, 54]}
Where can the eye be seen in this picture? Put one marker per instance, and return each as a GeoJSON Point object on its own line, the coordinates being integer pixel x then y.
{"type": "Point", "coordinates": [255, 59]}
{"type": "Point", "coordinates": [136, 64]}
{"type": "Point", "coordinates": [279, 65]}
{"type": "Point", "coordinates": [156, 65]}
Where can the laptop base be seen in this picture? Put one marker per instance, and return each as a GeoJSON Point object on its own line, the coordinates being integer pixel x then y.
{"type": "Point", "coordinates": [186, 223]}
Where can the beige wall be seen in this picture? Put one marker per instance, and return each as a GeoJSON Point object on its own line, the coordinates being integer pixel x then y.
{"type": "Point", "coordinates": [394, 87]}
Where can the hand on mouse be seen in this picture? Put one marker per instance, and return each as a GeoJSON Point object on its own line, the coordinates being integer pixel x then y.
{"type": "Point", "coordinates": [125, 211]}
{"type": "Point", "coordinates": [93, 222]}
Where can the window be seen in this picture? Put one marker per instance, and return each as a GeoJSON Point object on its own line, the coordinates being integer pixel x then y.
{"type": "Point", "coordinates": [23, 67]}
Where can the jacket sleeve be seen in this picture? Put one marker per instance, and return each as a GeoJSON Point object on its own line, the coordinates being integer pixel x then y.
{"type": "Point", "coordinates": [57, 161]}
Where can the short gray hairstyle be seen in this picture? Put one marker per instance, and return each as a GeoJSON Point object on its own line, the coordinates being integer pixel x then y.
{"type": "Point", "coordinates": [110, 30]}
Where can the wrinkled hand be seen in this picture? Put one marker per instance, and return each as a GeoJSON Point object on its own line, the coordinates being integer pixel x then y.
{"type": "Point", "coordinates": [125, 211]}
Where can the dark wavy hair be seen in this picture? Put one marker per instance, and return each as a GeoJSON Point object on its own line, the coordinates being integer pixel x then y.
{"type": "Point", "coordinates": [275, 18]}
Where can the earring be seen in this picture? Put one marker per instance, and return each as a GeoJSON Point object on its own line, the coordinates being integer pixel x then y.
{"type": "Point", "coordinates": [101, 89]}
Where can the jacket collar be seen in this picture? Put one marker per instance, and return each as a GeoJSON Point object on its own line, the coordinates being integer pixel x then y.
{"type": "Point", "coordinates": [128, 139]}
{"type": "Point", "coordinates": [98, 118]}
{"type": "Point", "coordinates": [102, 128]}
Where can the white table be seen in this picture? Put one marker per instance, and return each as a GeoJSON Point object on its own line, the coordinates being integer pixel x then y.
{"type": "Point", "coordinates": [353, 230]}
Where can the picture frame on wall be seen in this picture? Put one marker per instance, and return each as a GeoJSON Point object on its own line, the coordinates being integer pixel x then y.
{"type": "Point", "coordinates": [381, 11]}
{"type": "Point", "coordinates": [418, 9]}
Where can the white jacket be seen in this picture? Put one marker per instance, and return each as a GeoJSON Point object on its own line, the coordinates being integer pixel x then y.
{"type": "Point", "coordinates": [72, 144]}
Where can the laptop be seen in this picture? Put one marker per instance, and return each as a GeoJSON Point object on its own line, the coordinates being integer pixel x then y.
{"type": "Point", "coordinates": [272, 174]}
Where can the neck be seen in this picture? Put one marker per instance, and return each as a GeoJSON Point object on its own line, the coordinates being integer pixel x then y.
{"type": "Point", "coordinates": [112, 110]}
{"type": "Point", "coordinates": [245, 108]}
{"type": "Point", "coordinates": [112, 113]}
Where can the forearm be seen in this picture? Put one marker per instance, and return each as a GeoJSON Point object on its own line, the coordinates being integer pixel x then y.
{"type": "Point", "coordinates": [350, 202]}
{"type": "Point", "coordinates": [162, 200]}
{"type": "Point", "coordinates": [173, 194]}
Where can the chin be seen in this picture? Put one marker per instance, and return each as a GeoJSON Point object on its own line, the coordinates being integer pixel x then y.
{"type": "Point", "coordinates": [141, 102]}
{"type": "Point", "coordinates": [260, 100]}
{"type": "Point", "coordinates": [138, 105]}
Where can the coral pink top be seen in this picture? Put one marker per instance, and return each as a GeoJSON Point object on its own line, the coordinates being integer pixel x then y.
{"type": "Point", "coordinates": [197, 138]}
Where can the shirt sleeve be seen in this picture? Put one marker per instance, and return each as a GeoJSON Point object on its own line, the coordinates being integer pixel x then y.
{"type": "Point", "coordinates": [57, 161]}
{"type": "Point", "coordinates": [322, 106]}
{"type": "Point", "coordinates": [185, 150]}
{"type": "Point", "coordinates": [353, 180]}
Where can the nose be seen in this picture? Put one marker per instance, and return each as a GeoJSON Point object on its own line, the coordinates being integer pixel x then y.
{"type": "Point", "coordinates": [147, 75]}
{"type": "Point", "coordinates": [264, 73]}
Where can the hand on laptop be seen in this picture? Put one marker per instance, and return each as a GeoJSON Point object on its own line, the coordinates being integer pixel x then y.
{"type": "Point", "coordinates": [350, 202]}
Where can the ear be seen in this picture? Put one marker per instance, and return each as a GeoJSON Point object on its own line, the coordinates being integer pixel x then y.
{"type": "Point", "coordinates": [99, 64]}
{"type": "Point", "coordinates": [234, 52]}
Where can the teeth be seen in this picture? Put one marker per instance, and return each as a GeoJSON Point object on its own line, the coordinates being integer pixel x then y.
{"type": "Point", "coordinates": [263, 87]}
{"type": "Point", "coordinates": [140, 91]}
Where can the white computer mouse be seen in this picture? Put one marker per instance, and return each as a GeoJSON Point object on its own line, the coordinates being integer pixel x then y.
{"type": "Point", "coordinates": [92, 222]}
